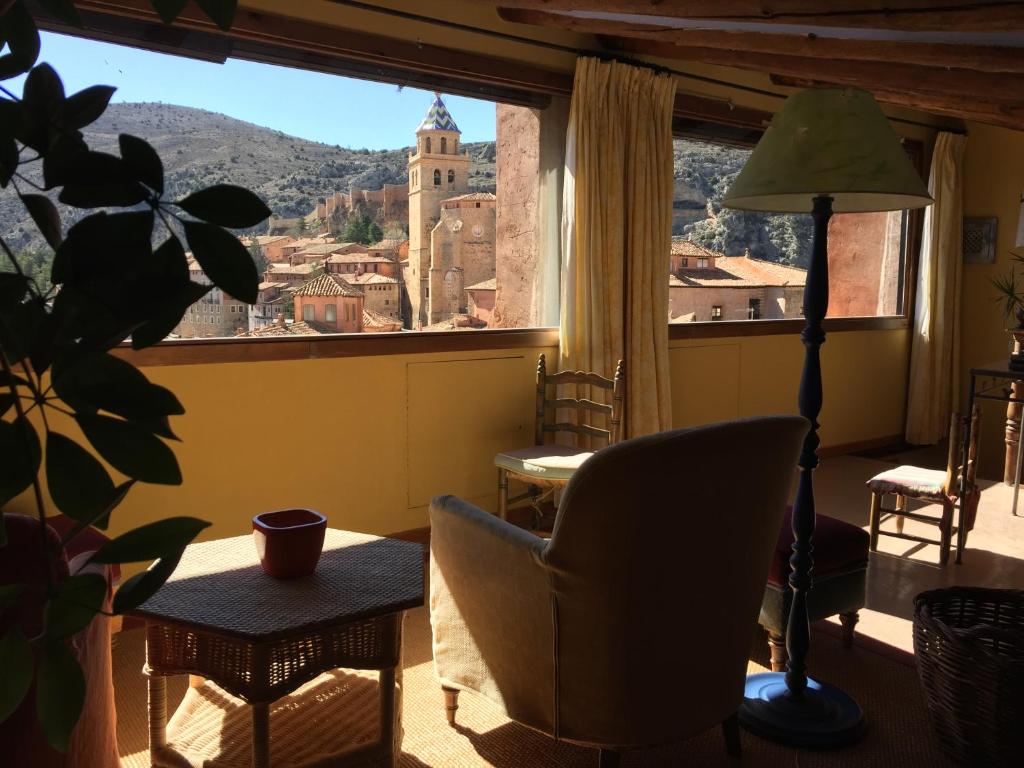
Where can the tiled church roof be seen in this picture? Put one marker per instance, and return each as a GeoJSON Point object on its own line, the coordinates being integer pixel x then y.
{"type": "Point", "coordinates": [438, 118]}
{"type": "Point", "coordinates": [328, 285]}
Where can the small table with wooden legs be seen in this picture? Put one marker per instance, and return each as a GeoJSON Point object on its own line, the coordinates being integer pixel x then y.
{"type": "Point", "coordinates": [220, 617]}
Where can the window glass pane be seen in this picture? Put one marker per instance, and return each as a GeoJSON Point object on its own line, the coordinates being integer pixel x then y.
{"type": "Point", "coordinates": [371, 215]}
{"type": "Point", "coordinates": [742, 265]}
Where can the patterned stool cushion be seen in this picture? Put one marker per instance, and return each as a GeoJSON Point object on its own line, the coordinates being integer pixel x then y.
{"type": "Point", "coordinates": [918, 482]}
{"type": "Point", "coordinates": [838, 546]}
{"type": "Point", "coordinates": [545, 462]}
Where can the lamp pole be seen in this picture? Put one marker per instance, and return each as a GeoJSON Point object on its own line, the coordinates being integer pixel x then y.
{"type": "Point", "coordinates": [790, 708]}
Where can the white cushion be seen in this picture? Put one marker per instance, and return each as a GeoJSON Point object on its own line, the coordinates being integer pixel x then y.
{"type": "Point", "coordinates": [549, 462]}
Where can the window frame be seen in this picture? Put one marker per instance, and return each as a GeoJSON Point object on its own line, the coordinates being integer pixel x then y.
{"type": "Point", "coordinates": [286, 41]}
{"type": "Point", "coordinates": [747, 138]}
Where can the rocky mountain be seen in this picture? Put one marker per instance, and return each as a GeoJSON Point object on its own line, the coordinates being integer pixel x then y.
{"type": "Point", "coordinates": [199, 148]}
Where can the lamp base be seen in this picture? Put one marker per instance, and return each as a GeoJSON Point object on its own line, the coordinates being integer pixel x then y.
{"type": "Point", "coordinates": [823, 718]}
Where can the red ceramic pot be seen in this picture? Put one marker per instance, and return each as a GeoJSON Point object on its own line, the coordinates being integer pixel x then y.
{"type": "Point", "coordinates": [289, 541]}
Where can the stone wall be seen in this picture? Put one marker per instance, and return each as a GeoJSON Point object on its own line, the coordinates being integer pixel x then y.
{"type": "Point", "coordinates": [516, 235]}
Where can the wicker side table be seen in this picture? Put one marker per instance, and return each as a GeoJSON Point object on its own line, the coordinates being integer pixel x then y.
{"type": "Point", "coordinates": [221, 618]}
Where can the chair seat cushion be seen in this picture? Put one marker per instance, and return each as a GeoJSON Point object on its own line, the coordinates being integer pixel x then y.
{"type": "Point", "coordinates": [547, 462]}
{"type": "Point", "coordinates": [838, 546]}
{"type": "Point", "coordinates": [907, 480]}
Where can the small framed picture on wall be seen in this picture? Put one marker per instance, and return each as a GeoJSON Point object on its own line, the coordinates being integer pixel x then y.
{"type": "Point", "coordinates": [980, 240]}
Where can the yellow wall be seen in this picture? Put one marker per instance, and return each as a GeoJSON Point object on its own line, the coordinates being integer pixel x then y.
{"type": "Point", "coordinates": [369, 440]}
{"type": "Point", "coordinates": [994, 180]}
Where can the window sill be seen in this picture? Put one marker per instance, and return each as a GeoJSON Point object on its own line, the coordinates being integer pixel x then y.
{"type": "Point", "coordinates": [253, 350]}
{"type": "Point", "coordinates": [713, 329]}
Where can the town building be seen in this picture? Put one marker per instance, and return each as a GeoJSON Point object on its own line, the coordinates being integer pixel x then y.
{"type": "Point", "coordinates": [381, 294]}
{"type": "Point", "coordinates": [283, 272]}
{"type": "Point", "coordinates": [328, 302]}
{"type": "Point", "coordinates": [272, 301]}
{"type": "Point", "coordinates": [215, 314]}
{"type": "Point", "coordinates": [461, 252]}
{"type": "Point", "coordinates": [481, 300]}
{"type": "Point", "coordinates": [273, 247]}
{"type": "Point", "coordinates": [358, 263]}
{"type": "Point", "coordinates": [318, 253]}
{"type": "Point", "coordinates": [707, 285]}
{"type": "Point", "coordinates": [437, 171]}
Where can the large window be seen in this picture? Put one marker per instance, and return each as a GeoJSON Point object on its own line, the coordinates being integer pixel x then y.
{"type": "Point", "coordinates": [394, 193]}
{"type": "Point", "coordinates": [740, 265]}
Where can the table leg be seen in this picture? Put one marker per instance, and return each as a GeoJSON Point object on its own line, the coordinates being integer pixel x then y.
{"type": "Point", "coordinates": [157, 688]}
{"type": "Point", "coordinates": [261, 735]}
{"type": "Point", "coordinates": [961, 529]}
{"type": "Point", "coordinates": [1016, 473]}
{"type": "Point", "coordinates": [387, 710]}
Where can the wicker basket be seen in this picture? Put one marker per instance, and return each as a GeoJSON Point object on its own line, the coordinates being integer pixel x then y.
{"type": "Point", "coordinates": [969, 644]}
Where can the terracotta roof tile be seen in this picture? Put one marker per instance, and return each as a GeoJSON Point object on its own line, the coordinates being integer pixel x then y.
{"type": "Point", "coordinates": [327, 285]}
{"type": "Point", "coordinates": [301, 328]}
{"type": "Point", "coordinates": [367, 278]}
{"type": "Point", "coordinates": [486, 285]}
{"type": "Point", "coordinates": [740, 272]}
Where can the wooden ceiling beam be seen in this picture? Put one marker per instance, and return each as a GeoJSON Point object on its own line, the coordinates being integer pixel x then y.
{"type": "Point", "coordinates": [993, 87]}
{"type": "Point", "coordinates": [982, 58]}
{"type": "Point", "coordinates": [910, 15]}
{"type": "Point", "coordinates": [1006, 115]}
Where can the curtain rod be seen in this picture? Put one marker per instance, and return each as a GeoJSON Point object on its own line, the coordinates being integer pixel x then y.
{"type": "Point", "coordinates": [410, 16]}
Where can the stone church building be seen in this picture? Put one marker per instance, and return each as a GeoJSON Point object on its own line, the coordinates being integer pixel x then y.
{"type": "Point", "coordinates": [451, 231]}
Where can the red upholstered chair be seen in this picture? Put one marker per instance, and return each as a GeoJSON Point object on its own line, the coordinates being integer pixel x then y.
{"type": "Point", "coordinates": [840, 578]}
{"type": "Point", "coordinates": [94, 740]}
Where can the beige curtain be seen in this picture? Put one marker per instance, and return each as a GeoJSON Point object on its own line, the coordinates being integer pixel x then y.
{"type": "Point", "coordinates": [935, 351]}
{"type": "Point", "coordinates": [616, 230]}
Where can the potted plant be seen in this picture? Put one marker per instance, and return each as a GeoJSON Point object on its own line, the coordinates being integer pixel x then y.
{"type": "Point", "coordinates": [1009, 294]}
{"type": "Point", "coordinates": [119, 274]}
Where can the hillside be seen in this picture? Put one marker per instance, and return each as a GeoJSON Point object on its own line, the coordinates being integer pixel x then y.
{"type": "Point", "coordinates": [201, 148]}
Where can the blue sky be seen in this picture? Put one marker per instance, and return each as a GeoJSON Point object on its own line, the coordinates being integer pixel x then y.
{"type": "Point", "coordinates": [326, 108]}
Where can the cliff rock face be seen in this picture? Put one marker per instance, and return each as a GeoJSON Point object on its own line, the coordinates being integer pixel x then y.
{"type": "Point", "coordinates": [517, 235]}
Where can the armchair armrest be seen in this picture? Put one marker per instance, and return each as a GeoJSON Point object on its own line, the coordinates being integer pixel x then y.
{"type": "Point", "coordinates": [491, 610]}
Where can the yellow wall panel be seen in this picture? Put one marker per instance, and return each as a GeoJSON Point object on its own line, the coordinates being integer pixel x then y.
{"type": "Point", "coordinates": [705, 384]}
{"type": "Point", "coordinates": [460, 414]}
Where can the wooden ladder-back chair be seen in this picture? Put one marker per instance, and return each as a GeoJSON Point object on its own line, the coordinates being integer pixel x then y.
{"type": "Point", "coordinates": [546, 466]}
{"type": "Point", "coordinates": [931, 485]}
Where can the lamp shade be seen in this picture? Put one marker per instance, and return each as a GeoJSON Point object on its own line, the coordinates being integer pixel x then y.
{"type": "Point", "coordinates": [834, 142]}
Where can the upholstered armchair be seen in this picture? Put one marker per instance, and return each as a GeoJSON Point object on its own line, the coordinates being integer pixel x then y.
{"type": "Point", "coordinates": [632, 625]}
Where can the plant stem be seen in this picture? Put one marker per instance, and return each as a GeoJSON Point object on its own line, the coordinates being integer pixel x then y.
{"type": "Point", "coordinates": [36, 487]}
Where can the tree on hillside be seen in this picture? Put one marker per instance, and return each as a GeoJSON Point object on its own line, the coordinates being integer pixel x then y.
{"type": "Point", "coordinates": [258, 257]}
{"type": "Point", "coordinates": [360, 228]}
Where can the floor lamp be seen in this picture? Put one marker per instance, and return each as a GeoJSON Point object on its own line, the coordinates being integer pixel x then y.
{"type": "Point", "coordinates": [826, 151]}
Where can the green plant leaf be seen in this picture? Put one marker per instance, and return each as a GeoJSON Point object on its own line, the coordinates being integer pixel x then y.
{"type": "Point", "coordinates": [8, 594]}
{"type": "Point", "coordinates": [224, 260]}
{"type": "Point", "coordinates": [142, 586]}
{"type": "Point", "coordinates": [22, 36]}
{"type": "Point", "coordinates": [44, 91]}
{"type": "Point", "coordinates": [221, 11]}
{"type": "Point", "coordinates": [86, 106]}
{"type": "Point", "coordinates": [153, 541]}
{"type": "Point", "coordinates": [163, 321]}
{"type": "Point", "coordinates": [13, 288]}
{"type": "Point", "coordinates": [168, 9]}
{"type": "Point", "coordinates": [227, 205]}
{"type": "Point", "coordinates": [78, 483]}
{"type": "Point", "coordinates": [144, 160]}
{"type": "Point", "coordinates": [97, 180]}
{"type": "Point", "coordinates": [16, 662]}
{"type": "Point", "coordinates": [8, 159]}
{"type": "Point", "coordinates": [19, 447]}
{"type": "Point", "coordinates": [6, 402]}
{"type": "Point", "coordinates": [78, 600]}
{"type": "Point", "coordinates": [108, 383]}
{"type": "Point", "coordinates": [60, 693]}
{"type": "Point", "coordinates": [64, 10]}
{"type": "Point", "coordinates": [133, 450]}
{"type": "Point", "coordinates": [44, 214]}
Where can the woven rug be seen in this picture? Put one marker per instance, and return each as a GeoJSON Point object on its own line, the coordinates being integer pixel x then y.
{"type": "Point", "coordinates": [882, 679]}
